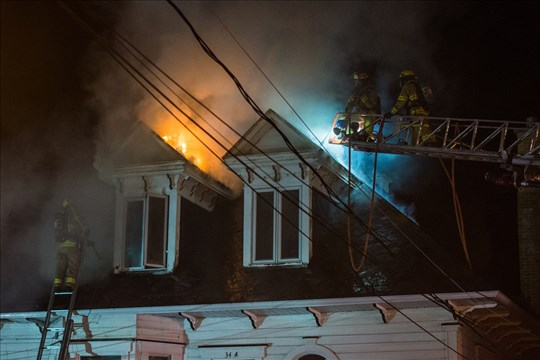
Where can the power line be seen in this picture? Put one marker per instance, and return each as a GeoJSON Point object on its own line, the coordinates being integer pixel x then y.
{"type": "Point", "coordinates": [162, 94]}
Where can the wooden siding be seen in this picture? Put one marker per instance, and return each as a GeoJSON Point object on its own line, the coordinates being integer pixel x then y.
{"type": "Point", "coordinates": [350, 335]}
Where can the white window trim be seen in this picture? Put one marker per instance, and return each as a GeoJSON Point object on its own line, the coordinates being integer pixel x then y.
{"type": "Point", "coordinates": [141, 187]}
{"type": "Point", "coordinates": [250, 194]}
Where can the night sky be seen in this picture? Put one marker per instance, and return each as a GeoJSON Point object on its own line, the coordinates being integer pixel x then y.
{"type": "Point", "coordinates": [64, 102]}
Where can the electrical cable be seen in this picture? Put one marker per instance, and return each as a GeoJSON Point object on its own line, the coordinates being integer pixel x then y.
{"type": "Point", "coordinates": [376, 236]}
{"type": "Point", "coordinates": [355, 268]}
{"type": "Point", "coordinates": [119, 59]}
{"type": "Point", "coordinates": [210, 53]}
{"type": "Point", "coordinates": [270, 81]}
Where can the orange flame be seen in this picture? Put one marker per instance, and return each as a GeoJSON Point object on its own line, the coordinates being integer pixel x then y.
{"type": "Point", "coordinates": [183, 141]}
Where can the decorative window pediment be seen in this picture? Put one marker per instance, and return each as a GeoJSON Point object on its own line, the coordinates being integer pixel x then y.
{"type": "Point", "coordinates": [151, 179]}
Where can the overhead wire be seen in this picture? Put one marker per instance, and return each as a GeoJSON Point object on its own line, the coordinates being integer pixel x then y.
{"type": "Point", "coordinates": [131, 70]}
{"type": "Point", "coordinates": [223, 65]}
{"type": "Point", "coordinates": [123, 43]}
{"type": "Point", "coordinates": [356, 268]}
{"type": "Point", "coordinates": [270, 82]}
{"type": "Point", "coordinates": [373, 260]}
{"type": "Point", "coordinates": [257, 109]}
{"type": "Point", "coordinates": [205, 47]}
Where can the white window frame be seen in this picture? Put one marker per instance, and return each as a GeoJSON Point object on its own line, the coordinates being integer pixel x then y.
{"type": "Point", "coordinates": [304, 224]}
{"type": "Point", "coordinates": [145, 264]}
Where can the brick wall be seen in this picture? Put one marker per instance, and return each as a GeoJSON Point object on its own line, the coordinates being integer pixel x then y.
{"type": "Point", "coordinates": [528, 207]}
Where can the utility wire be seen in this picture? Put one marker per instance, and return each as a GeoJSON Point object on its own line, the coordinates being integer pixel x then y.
{"type": "Point", "coordinates": [132, 71]}
{"type": "Point", "coordinates": [269, 81]}
{"type": "Point", "coordinates": [134, 53]}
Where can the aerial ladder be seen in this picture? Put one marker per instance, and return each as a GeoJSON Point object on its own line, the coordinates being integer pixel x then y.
{"type": "Point", "coordinates": [514, 145]}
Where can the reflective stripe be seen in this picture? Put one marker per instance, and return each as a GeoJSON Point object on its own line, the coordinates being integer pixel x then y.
{"type": "Point", "coordinates": [70, 280]}
{"type": "Point", "coordinates": [69, 243]}
{"type": "Point", "coordinates": [57, 281]}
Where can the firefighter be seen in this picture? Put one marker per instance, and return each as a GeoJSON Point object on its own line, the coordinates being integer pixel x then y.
{"type": "Point", "coordinates": [71, 234]}
{"type": "Point", "coordinates": [365, 100]}
{"type": "Point", "coordinates": [412, 99]}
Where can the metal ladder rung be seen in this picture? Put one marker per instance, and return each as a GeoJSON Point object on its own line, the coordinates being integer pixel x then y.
{"type": "Point", "coordinates": [55, 329]}
{"type": "Point", "coordinates": [63, 292]}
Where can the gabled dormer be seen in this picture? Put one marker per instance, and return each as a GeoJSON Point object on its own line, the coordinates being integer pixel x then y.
{"type": "Point", "coordinates": [278, 189]}
{"type": "Point", "coordinates": [151, 178]}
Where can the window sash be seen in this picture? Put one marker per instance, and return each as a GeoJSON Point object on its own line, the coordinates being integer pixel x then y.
{"type": "Point", "coordinates": [156, 232]}
{"type": "Point", "coordinates": [145, 237]}
{"type": "Point", "coordinates": [134, 232]}
{"type": "Point", "coordinates": [276, 236]}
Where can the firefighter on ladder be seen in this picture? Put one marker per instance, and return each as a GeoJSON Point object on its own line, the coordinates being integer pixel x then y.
{"type": "Point", "coordinates": [411, 97]}
{"type": "Point", "coordinates": [365, 100]}
{"type": "Point", "coordinates": [71, 234]}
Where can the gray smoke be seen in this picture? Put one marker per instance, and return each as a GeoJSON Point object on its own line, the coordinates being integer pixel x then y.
{"type": "Point", "coordinates": [307, 49]}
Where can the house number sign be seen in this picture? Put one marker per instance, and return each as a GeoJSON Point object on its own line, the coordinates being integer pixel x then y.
{"type": "Point", "coordinates": [245, 352]}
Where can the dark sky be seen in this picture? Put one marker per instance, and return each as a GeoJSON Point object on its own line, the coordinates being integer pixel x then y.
{"type": "Point", "coordinates": [60, 92]}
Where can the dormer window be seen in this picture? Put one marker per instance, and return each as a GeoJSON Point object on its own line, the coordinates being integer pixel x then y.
{"type": "Point", "coordinates": [145, 235]}
{"type": "Point", "coordinates": [151, 179]}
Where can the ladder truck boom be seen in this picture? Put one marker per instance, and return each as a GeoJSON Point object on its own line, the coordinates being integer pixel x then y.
{"type": "Point", "coordinates": [514, 145]}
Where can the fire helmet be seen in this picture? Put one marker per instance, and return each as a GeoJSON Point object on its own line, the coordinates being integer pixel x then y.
{"type": "Point", "coordinates": [406, 73]}
{"type": "Point", "coordinates": [360, 75]}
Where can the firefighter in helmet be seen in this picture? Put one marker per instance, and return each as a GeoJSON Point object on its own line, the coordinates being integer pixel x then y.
{"type": "Point", "coordinates": [70, 232]}
{"type": "Point", "coordinates": [364, 100]}
{"type": "Point", "coordinates": [411, 100]}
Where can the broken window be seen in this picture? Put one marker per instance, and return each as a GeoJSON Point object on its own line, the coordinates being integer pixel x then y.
{"type": "Point", "coordinates": [145, 240]}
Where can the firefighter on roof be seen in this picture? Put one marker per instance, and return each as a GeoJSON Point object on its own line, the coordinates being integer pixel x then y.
{"type": "Point", "coordinates": [70, 232]}
{"type": "Point", "coordinates": [413, 101]}
{"type": "Point", "coordinates": [364, 100]}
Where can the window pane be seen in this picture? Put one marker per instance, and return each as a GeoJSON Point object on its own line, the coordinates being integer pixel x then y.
{"type": "Point", "coordinates": [134, 233]}
{"type": "Point", "coordinates": [155, 248]}
{"type": "Point", "coordinates": [264, 240]}
{"type": "Point", "coordinates": [290, 219]}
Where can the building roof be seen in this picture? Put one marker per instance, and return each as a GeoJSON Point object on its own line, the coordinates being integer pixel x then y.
{"type": "Point", "coordinates": [401, 258]}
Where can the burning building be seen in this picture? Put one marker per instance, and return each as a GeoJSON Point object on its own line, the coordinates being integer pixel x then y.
{"type": "Point", "coordinates": [278, 270]}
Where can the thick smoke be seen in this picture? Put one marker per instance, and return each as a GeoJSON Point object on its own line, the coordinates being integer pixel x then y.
{"type": "Point", "coordinates": [308, 50]}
